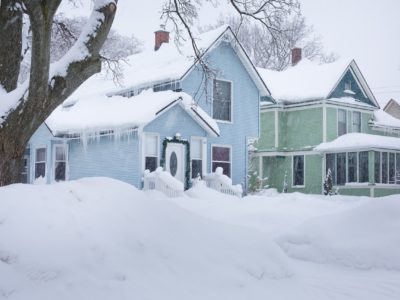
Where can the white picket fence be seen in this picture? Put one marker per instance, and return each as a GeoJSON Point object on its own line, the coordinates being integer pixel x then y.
{"type": "Point", "coordinates": [222, 183]}
{"type": "Point", "coordinates": [162, 181]}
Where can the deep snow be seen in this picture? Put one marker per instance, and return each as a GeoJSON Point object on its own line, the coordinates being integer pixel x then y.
{"type": "Point", "coordinates": [98, 238]}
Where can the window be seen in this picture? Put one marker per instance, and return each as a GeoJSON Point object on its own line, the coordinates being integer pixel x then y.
{"type": "Point", "coordinates": [348, 167]}
{"type": "Point", "coordinates": [151, 153]}
{"type": "Point", "coordinates": [397, 168]}
{"type": "Point", "coordinates": [347, 86]}
{"type": "Point", "coordinates": [356, 121]}
{"type": "Point", "coordinates": [342, 122]}
{"type": "Point", "coordinates": [331, 164]}
{"type": "Point", "coordinates": [222, 102]}
{"type": "Point", "coordinates": [221, 157]}
{"type": "Point", "coordinates": [363, 167]}
{"type": "Point", "coordinates": [40, 163]}
{"type": "Point", "coordinates": [352, 166]}
{"type": "Point", "coordinates": [387, 167]}
{"type": "Point", "coordinates": [392, 168]}
{"type": "Point", "coordinates": [341, 168]}
{"type": "Point", "coordinates": [196, 153]}
{"type": "Point", "coordinates": [377, 167]}
{"type": "Point", "coordinates": [298, 170]}
{"type": "Point", "coordinates": [384, 167]}
{"type": "Point", "coordinates": [60, 162]}
{"type": "Point", "coordinates": [25, 167]}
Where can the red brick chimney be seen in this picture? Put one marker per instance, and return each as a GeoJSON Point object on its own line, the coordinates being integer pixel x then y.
{"type": "Point", "coordinates": [296, 56]}
{"type": "Point", "coordinates": [161, 36]}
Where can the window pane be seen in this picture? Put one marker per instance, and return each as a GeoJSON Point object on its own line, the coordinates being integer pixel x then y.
{"type": "Point", "coordinates": [342, 122]}
{"type": "Point", "coordinates": [225, 166]}
{"type": "Point", "coordinates": [356, 121]}
{"type": "Point", "coordinates": [397, 168]}
{"type": "Point", "coordinates": [151, 145]}
{"type": "Point", "coordinates": [363, 167]}
{"type": "Point", "coordinates": [60, 153]}
{"type": "Point", "coordinates": [221, 154]}
{"type": "Point", "coordinates": [341, 168]}
{"type": "Point", "coordinates": [196, 149]}
{"type": "Point", "coordinates": [352, 164]}
{"type": "Point", "coordinates": [377, 167]}
{"type": "Point", "coordinates": [197, 168]}
{"type": "Point", "coordinates": [222, 100]}
{"type": "Point", "coordinates": [391, 168]}
{"type": "Point", "coordinates": [298, 170]}
{"type": "Point", "coordinates": [330, 164]}
{"type": "Point", "coordinates": [151, 164]}
{"type": "Point", "coordinates": [59, 173]}
{"type": "Point", "coordinates": [384, 167]}
{"type": "Point", "coordinates": [40, 170]}
{"type": "Point", "coordinates": [41, 154]}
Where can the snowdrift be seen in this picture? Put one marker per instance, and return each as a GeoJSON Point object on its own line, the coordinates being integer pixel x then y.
{"type": "Point", "coordinates": [365, 237]}
{"type": "Point", "coordinates": [103, 239]}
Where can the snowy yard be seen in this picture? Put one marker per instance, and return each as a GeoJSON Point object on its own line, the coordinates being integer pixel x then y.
{"type": "Point", "coordinates": [103, 239]}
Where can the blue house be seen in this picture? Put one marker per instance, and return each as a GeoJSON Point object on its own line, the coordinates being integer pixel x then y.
{"type": "Point", "coordinates": [170, 113]}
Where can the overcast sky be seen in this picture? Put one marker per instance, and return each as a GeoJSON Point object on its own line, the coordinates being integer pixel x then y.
{"type": "Point", "coordinates": [368, 31]}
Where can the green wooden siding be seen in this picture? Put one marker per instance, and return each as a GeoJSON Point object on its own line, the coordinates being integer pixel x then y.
{"type": "Point", "coordinates": [267, 138]}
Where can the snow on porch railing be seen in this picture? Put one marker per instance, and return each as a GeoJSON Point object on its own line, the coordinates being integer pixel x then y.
{"type": "Point", "coordinates": [222, 183]}
{"type": "Point", "coordinates": [162, 181]}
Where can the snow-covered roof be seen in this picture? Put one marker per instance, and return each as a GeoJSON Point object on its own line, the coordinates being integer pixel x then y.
{"type": "Point", "coordinates": [172, 64]}
{"type": "Point", "coordinates": [383, 119]}
{"type": "Point", "coordinates": [97, 113]}
{"type": "Point", "coordinates": [358, 141]}
{"type": "Point", "coordinates": [309, 80]}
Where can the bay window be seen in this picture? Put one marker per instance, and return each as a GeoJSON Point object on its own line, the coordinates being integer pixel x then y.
{"type": "Point", "coordinates": [60, 162]}
{"type": "Point", "coordinates": [40, 162]}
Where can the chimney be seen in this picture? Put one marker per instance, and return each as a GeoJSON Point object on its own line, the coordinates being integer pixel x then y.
{"type": "Point", "coordinates": [296, 56]}
{"type": "Point", "coordinates": [161, 36]}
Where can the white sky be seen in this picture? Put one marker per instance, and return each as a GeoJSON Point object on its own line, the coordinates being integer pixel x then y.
{"type": "Point", "coordinates": [368, 31]}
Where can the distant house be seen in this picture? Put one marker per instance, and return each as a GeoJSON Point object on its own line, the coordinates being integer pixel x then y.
{"type": "Point", "coordinates": [323, 117]}
{"type": "Point", "coordinates": [169, 113]}
{"type": "Point", "coordinates": [393, 108]}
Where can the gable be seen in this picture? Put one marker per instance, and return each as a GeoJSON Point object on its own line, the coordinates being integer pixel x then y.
{"type": "Point", "coordinates": [175, 120]}
{"type": "Point", "coordinates": [356, 91]}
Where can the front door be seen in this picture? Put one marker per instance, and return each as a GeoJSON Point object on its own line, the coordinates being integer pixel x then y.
{"type": "Point", "coordinates": [174, 160]}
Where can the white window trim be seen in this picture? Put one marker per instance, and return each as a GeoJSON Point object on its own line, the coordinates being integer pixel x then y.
{"type": "Point", "coordinates": [203, 141]}
{"type": "Point", "coordinates": [144, 135]}
{"type": "Point", "coordinates": [45, 162]}
{"type": "Point", "coordinates": [212, 106]}
{"type": "Point", "coordinates": [304, 172]}
{"type": "Point", "coordinates": [53, 175]}
{"type": "Point", "coordinates": [230, 157]}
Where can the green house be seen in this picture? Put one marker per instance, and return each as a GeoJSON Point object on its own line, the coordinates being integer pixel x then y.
{"type": "Point", "coordinates": [325, 117]}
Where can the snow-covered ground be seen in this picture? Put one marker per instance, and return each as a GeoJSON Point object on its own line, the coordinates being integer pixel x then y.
{"type": "Point", "coordinates": [98, 238]}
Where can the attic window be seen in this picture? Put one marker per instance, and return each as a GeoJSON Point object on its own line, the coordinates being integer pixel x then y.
{"type": "Point", "coordinates": [347, 88]}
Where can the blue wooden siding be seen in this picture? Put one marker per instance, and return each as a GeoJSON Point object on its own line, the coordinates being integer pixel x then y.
{"type": "Point", "coordinates": [245, 97]}
{"type": "Point", "coordinates": [339, 90]}
{"type": "Point", "coordinates": [111, 156]}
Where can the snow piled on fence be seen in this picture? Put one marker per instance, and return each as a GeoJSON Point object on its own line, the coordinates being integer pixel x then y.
{"type": "Point", "coordinates": [366, 237]}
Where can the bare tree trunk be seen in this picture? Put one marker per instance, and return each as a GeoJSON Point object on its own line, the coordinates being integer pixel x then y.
{"type": "Point", "coordinates": [11, 43]}
{"type": "Point", "coordinates": [42, 98]}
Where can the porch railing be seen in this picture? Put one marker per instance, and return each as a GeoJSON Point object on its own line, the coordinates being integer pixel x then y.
{"type": "Point", "coordinates": [222, 183]}
{"type": "Point", "coordinates": [162, 181]}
